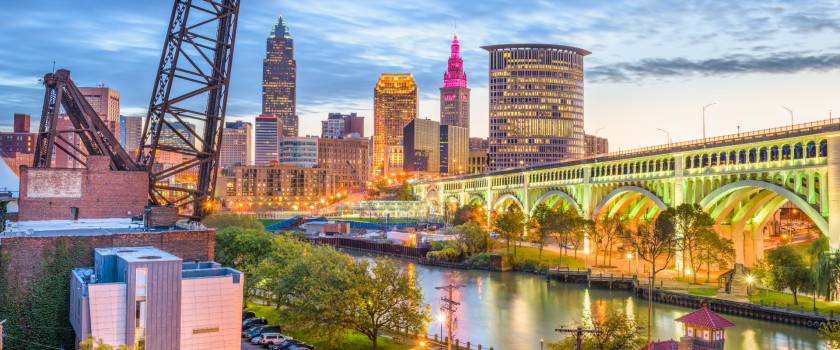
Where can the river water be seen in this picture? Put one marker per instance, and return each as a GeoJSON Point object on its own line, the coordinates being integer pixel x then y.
{"type": "Point", "coordinates": [514, 310]}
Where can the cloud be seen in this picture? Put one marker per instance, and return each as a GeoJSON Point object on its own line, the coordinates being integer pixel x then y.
{"type": "Point", "coordinates": [657, 68]}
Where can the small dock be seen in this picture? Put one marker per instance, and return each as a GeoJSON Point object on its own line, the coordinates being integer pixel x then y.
{"type": "Point", "coordinates": [600, 280]}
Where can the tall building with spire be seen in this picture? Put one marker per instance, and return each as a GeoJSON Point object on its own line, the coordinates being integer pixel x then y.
{"type": "Point", "coordinates": [394, 105]}
{"type": "Point", "coordinates": [455, 95]}
{"type": "Point", "coordinates": [279, 92]}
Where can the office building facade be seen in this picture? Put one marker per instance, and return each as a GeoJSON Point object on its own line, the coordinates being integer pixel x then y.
{"type": "Point", "coordinates": [347, 158]}
{"type": "Point", "coordinates": [394, 160]}
{"type": "Point", "coordinates": [536, 104]}
{"type": "Point", "coordinates": [131, 132]}
{"type": "Point", "coordinates": [455, 95]}
{"type": "Point", "coordinates": [147, 298]}
{"type": "Point", "coordinates": [279, 93]}
{"type": "Point", "coordinates": [594, 145]}
{"type": "Point", "coordinates": [266, 133]}
{"type": "Point", "coordinates": [394, 105]}
{"type": "Point", "coordinates": [340, 125]}
{"type": "Point", "coordinates": [106, 102]}
{"type": "Point", "coordinates": [421, 147]}
{"type": "Point", "coordinates": [298, 151]}
{"type": "Point", "coordinates": [454, 150]}
{"type": "Point", "coordinates": [20, 140]}
{"type": "Point", "coordinates": [237, 144]}
{"type": "Point", "coordinates": [276, 187]}
{"type": "Point", "coordinates": [478, 161]}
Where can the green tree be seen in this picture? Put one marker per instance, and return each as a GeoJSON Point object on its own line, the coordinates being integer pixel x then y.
{"type": "Point", "coordinates": [220, 221]}
{"type": "Point", "coordinates": [614, 332]}
{"type": "Point", "coordinates": [830, 332]}
{"type": "Point", "coordinates": [473, 237]}
{"type": "Point", "coordinates": [713, 250]}
{"type": "Point", "coordinates": [470, 213]}
{"type": "Point", "coordinates": [611, 228]}
{"type": "Point", "coordinates": [543, 223]}
{"type": "Point", "coordinates": [97, 344]}
{"type": "Point", "coordinates": [784, 268]}
{"type": "Point", "coordinates": [654, 241]}
{"type": "Point", "coordinates": [824, 268]}
{"type": "Point", "coordinates": [404, 193]}
{"type": "Point", "coordinates": [510, 225]}
{"type": "Point", "coordinates": [697, 240]}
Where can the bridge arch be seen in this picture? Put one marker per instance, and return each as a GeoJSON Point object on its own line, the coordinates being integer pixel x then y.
{"type": "Point", "coordinates": [508, 197]}
{"type": "Point", "coordinates": [623, 191]}
{"type": "Point", "coordinates": [477, 198]}
{"type": "Point", "coordinates": [563, 196]}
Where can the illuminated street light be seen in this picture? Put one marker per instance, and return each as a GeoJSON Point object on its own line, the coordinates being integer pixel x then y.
{"type": "Point", "coordinates": [704, 119]}
{"type": "Point", "coordinates": [749, 287]}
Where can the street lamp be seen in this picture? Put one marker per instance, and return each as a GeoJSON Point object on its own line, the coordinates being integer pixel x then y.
{"type": "Point", "coordinates": [667, 134]}
{"type": "Point", "coordinates": [441, 318]}
{"type": "Point", "coordinates": [704, 119]}
{"type": "Point", "coordinates": [541, 343]}
{"type": "Point", "coordinates": [749, 287]}
{"type": "Point", "coordinates": [629, 256]}
{"type": "Point", "coordinates": [791, 114]}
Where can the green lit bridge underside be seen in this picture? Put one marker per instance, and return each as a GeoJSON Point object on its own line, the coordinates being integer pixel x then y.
{"type": "Point", "coordinates": [741, 180]}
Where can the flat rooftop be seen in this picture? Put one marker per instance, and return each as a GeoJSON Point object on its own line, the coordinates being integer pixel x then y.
{"type": "Point", "coordinates": [81, 227]}
{"type": "Point", "coordinates": [138, 254]}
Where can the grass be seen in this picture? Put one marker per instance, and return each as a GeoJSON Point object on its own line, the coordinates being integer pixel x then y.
{"type": "Point", "coordinates": [782, 299]}
{"type": "Point", "coordinates": [352, 340]}
{"type": "Point", "coordinates": [374, 219]}
{"type": "Point", "coordinates": [268, 222]}
{"type": "Point", "coordinates": [706, 292]}
{"type": "Point", "coordinates": [553, 258]}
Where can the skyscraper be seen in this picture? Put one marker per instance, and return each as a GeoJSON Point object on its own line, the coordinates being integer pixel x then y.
{"type": "Point", "coordinates": [106, 102]}
{"type": "Point", "coordinates": [266, 134]}
{"type": "Point", "coordinates": [131, 130]}
{"type": "Point", "coordinates": [455, 95]}
{"type": "Point", "coordinates": [394, 105]}
{"type": "Point", "coordinates": [421, 147]}
{"type": "Point", "coordinates": [536, 104]}
{"type": "Point", "coordinates": [340, 125]}
{"type": "Point", "coordinates": [280, 78]}
{"type": "Point", "coordinates": [237, 144]}
{"type": "Point", "coordinates": [454, 150]}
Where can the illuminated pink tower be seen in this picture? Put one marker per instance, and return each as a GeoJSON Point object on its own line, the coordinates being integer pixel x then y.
{"type": "Point", "coordinates": [455, 95]}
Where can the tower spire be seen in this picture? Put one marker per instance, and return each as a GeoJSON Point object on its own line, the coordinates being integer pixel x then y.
{"type": "Point", "coordinates": [454, 75]}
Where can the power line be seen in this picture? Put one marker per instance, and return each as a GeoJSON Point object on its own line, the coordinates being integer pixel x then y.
{"type": "Point", "coordinates": [449, 306]}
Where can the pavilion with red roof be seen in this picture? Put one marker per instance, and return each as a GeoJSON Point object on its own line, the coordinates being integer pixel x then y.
{"type": "Point", "coordinates": [704, 330]}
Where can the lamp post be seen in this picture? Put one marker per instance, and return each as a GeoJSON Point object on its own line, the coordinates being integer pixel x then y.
{"type": "Point", "coordinates": [791, 115]}
{"type": "Point", "coordinates": [667, 135]}
{"type": "Point", "coordinates": [629, 256]}
{"type": "Point", "coordinates": [704, 119]}
{"type": "Point", "coordinates": [749, 287]}
{"type": "Point", "coordinates": [541, 343]}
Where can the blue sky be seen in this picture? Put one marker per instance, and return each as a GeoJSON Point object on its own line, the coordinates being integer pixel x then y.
{"type": "Point", "coordinates": [654, 63]}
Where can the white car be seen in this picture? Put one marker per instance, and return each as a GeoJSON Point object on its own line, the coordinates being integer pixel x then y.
{"type": "Point", "coordinates": [256, 340]}
{"type": "Point", "coordinates": [268, 339]}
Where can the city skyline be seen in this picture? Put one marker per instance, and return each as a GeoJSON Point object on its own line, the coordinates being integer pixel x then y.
{"type": "Point", "coordinates": [747, 57]}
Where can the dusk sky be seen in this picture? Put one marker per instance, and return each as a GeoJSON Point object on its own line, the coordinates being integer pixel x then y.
{"type": "Point", "coordinates": [654, 64]}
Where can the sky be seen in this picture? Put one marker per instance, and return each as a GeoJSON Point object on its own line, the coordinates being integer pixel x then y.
{"type": "Point", "coordinates": [654, 64]}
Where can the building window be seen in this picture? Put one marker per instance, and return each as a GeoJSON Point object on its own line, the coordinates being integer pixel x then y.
{"type": "Point", "coordinates": [141, 277]}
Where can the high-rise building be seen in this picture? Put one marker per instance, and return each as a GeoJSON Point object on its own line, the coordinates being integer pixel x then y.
{"type": "Point", "coordinates": [340, 125]}
{"type": "Point", "coordinates": [276, 187]}
{"type": "Point", "coordinates": [478, 160]}
{"type": "Point", "coordinates": [421, 147]}
{"type": "Point", "coordinates": [170, 138]}
{"type": "Point", "coordinates": [20, 140]}
{"type": "Point", "coordinates": [131, 130]}
{"type": "Point", "coordinates": [266, 133]}
{"type": "Point", "coordinates": [106, 102]}
{"type": "Point", "coordinates": [279, 94]}
{"type": "Point", "coordinates": [536, 104]}
{"type": "Point", "coordinates": [237, 144]}
{"type": "Point", "coordinates": [394, 105]}
{"type": "Point", "coordinates": [150, 299]}
{"type": "Point", "coordinates": [394, 160]}
{"type": "Point", "coordinates": [21, 122]}
{"type": "Point", "coordinates": [298, 151]}
{"type": "Point", "coordinates": [479, 142]}
{"type": "Point", "coordinates": [348, 160]}
{"type": "Point", "coordinates": [455, 95]}
{"type": "Point", "coordinates": [594, 145]}
{"type": "Point", "coordinates": [454, 149]}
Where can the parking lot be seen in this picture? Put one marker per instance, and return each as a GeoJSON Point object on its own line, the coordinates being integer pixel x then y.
{"type": "Point", "coordinates": [248, 346]}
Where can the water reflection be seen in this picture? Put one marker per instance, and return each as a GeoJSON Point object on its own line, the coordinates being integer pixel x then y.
{"type": "Point", "coordinates": [515, 310]}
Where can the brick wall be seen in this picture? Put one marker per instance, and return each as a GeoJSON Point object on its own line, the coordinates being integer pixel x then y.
{"type": "Point", "coordinates": [97, 192]}
{"type": "Point", "coordinates": [25, 255]}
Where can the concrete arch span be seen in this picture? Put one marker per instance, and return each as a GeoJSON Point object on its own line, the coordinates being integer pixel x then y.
{"type": "Point", "coordinates": [624, 196]}
{"type": "Point", "coordinates": [477, 198]}
{"type": "Point", "coordinates": [557, 196]}
{"type": "Point", "coordinates": [508, 197]}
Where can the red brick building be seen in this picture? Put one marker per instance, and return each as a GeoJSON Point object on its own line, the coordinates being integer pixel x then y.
{"type": "Point", "coordinates": [20, 140]}
{"type": "Point", "coordinates": [94, 192]}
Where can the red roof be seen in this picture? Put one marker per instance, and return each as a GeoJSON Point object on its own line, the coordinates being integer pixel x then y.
{"type": "Point", "coordinates": [670, 345]}
{"type": "Point", "coordinates": [705, 318]}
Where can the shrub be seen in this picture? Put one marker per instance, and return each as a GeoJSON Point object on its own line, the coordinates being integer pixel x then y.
{"type": "Point", "coordinates": [529, 265]}
{"type": "Point", "coordinates": [481, 260]}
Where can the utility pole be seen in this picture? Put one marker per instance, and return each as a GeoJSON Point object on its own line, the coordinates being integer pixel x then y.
{"type": "Point", "coordinates": [1, 328]}
{"type": "Point", "coordinates": [578, 334]}
{"type": "Point", "coordinates": [449, 306]}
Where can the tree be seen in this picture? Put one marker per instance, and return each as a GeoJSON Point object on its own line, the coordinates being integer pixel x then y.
{"type": "Point", "coordinates": [474, 238]}
{"type": "Point", "coordinates": [784, 268]}
{"type": "Point", "coordinates": [824, 268]}
{"type": "Point", "coordinates": [830, 332]}
{"type": "Point", "coordinates": [242, 248]}
{"type": "Point", "coordinates": [404, 193]}
{"type": "Point", "coordinates": [470, 213]}
{"type": "Point", "coordinates": [615, 332]}
{"type": "Point", "coordinates": [97, 344]}
{"type": "Point", "coordinates": [652, 241]}
{"type": "Point", "coordinates": [220, 221]}
{"type": "Point", "coordinates": [611, 228]}
{"type": "Point", "coordinates": [697, 240]}
{"type": "Point", "coordinates": [713, 250]}
{"type": "Point", "coordinates": [596, 235]}
{"type": "Point", "coordinates": [510, 225]}
{"type": "Point", "coordinates": [544, 219]}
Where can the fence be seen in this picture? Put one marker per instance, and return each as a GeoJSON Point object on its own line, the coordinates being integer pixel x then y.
{"type": "Point", "coordinates": [372, 247]}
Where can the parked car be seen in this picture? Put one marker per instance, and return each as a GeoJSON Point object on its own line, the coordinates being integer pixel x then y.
{"type": "Point", "coordinates": [256, 340]}
{"type": "Point", "coordinates": [249, 330]}
{"type": "Point", "coordinates": [268, 339]}
{"type": "Point", "coordinates": [253, 322]}
{"type": "Point", "coordinates": [302, 346]}
{"type": "Point", "coordinates": [262, 330]}
{"type": "Point", "coordinates": [248, 314]}
{"type": "Point", "coordinates": [285, 344]}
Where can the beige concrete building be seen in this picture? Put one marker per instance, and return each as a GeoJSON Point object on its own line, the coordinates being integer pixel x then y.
{"type": "Point", "coordinates": [594, 145]}
{"type": "Point", "coordinates": [454, 150]}
{"type": "Point", "coordinates": [536, 104]}
{"type": "Point", "coordinates": [478, 160]}
{"type": "Point", "coordinates": [237, 145]}
{"type": "Point", "coordinates": [277, 187]}
{"type": "Point", "coordinates": [348, 160]}
{"type": "Point", "coordinates": [394, 105]}
{"type": "Point", "coordinates": [394, 159]}
{"type": "Point", "coordinates": [421, 147]}
{"type": "Point", "coordinates": [106, 102]}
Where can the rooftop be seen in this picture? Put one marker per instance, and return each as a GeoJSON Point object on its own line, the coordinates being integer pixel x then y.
{"type": "Point", "coordinates": [81, 227]}
{"type": "Point", "coordinates": [705, 318]}
{"type": "Point", "coordinates": [537, 46]}
{"type": "Point", "coordinates": [138, 254]}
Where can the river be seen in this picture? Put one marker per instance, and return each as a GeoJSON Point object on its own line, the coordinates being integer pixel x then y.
{"type": "Point", "coordinates": [514, 310]}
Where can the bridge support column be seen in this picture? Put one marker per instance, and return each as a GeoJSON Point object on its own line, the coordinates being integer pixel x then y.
{"type": "Point", "coordinates": [833, 179]}
{"type": "Point", "coordinates": [488, 199]}
{"type": "Point", "coordinates": [737, 237]}
{"type": "Point", "coordinates": [526, 200]}
{"type": "Point", "coordinates": [678, 193]}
